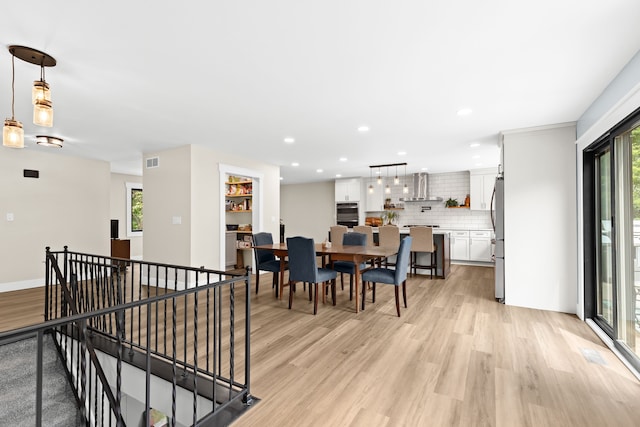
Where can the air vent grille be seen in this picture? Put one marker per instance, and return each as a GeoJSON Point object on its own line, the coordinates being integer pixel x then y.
{"type": "Point", "coordinates": [153, 162]}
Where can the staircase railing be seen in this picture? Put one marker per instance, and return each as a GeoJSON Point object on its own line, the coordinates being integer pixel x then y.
{"type": "Point", "coordinates": [188, 325]}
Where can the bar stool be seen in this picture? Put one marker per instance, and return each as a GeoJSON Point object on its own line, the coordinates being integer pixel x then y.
{"type": "Point", "coordinates": [389, 237]}
{"type": "Point", "coordinates": [422, 242]}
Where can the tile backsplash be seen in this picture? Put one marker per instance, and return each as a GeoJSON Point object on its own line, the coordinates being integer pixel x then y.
{"type": "Point", "coordinates": [446, 185]}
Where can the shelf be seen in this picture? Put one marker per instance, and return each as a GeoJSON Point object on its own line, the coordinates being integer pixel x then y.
{"type": "Point", "coordinates": [393, 209]}
{"type": "Point", "coordinates": [237, 195]}
{"type": "Point", "coordinates": [239, 182]}
{"type": "Point", "coordinates": [239, 211]}
{"type": "Point", "coordinates": [457, 207]}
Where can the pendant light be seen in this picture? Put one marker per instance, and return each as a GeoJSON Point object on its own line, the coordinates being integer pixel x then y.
{"type": "Point", "coordinates": [405, 189]}
{"type": "Point", "coordinates": [387, 189]}
{"type": "Point", "coordinates": [41, 98]}
{"type": "Point", "coordinates": [13, 135]}
{"type": "Point", "coordinates": [40, 89]}
{"type": "Point", "coordinates": [370, 182]}
{"type": "Point", "coordinates": [12, 132]}
{"type": "Point", "coordinates": [379, 177]}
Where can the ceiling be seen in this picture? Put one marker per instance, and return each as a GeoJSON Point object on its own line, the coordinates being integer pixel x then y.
{"type": "Point", "coordinates": [241, 76]}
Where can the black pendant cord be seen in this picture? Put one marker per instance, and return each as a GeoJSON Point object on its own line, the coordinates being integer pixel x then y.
{"type": "Point", "coordinates": [13, 86]}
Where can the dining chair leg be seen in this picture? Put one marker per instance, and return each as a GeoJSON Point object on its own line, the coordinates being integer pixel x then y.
{"type": "Point", "coordinates": [310, 296]}
{"type": "Point", "coordinates": [258, 281]}
{"type": "Point", "coordinates": [373, 293]}
{"type": "Point", "coordinates": [291, 286]}
{"type": "Point", "coordinates": [364, 293]}
{"type": "Point", "coordinates": [333, 290]}
{"type": "Point", "coordinates": [342, 281]}
{"type": "Point", "coordinates": [397, 300]}
{"type": "Point", "coordinates": [315, 300]}
{"type": "Point", "coordinates": [404, 293]}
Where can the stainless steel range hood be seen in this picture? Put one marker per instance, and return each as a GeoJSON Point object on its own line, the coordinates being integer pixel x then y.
{"type": "Point", "coordinates": [421, 190]}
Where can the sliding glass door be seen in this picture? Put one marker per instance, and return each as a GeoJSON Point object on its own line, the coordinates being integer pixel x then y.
{"type": "Point", "coordinates": [612, 236]}
{"type": "Point", "coordinates": [604, 253]}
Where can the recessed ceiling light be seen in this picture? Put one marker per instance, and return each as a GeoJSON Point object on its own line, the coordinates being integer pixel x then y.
{"type": "Point", "coordinates": [338, 175]}
{"type": "Point", "coordinates": [424, 169]}
{"type": "Point", "coordinates": [363, 129]}
{"type": "Point", "coordinates": [474, 144]}
{"type": "Point", "coordinates": [294, 164]}
{"type": "Point", "coordinates": [464, 111]}
{"type": "Point", "coordinates": [319, 170]}
{"type": "Point", "coordinates": [281, 178]}
{"type": "Point", "coordinates": [343, 159]}
{"type": "Point", "coordinates": [402, 153]}
{"type": "Point", "coordinates": [289, 140]}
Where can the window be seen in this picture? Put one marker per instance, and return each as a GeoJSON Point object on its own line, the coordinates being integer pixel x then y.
{"type": "Point", "coordinates": [134, 209]}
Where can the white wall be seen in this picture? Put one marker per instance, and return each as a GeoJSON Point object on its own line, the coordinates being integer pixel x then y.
{"type": "Point", "coordinates": [119, 209]}
{"type": "Point", "coordinates": [187, 185]}
{"type": "Point", "coordinates": [67, 205]}
{"type": "Point", "coordinates": [308, 209]}
{"type": "Point", "coordinates": [541, 218]}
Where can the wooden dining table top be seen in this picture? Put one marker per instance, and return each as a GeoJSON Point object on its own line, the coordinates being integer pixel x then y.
{"type": "Point", "coordinates": [336, 249]}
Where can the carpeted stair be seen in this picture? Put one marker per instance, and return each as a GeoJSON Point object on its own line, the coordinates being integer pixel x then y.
{"type": "Point", "coordinates": [18, 386]}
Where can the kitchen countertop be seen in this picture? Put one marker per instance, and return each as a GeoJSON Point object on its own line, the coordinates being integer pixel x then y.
{"type": "Point", "coordinates": [440, 230]}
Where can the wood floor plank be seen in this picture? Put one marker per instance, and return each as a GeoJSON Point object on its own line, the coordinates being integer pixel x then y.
{"type": "Point", "coordinates": [455, 357]}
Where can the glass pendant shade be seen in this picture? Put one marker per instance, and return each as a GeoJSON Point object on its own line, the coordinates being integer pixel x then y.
{"type": "Point", "coordinates": [40, 91]}
{"type": "Point", "coordinates": [396, 180]}
{"type": "Point", "coordinates": [379, 181]}
{"type": "Point", "coordinates": [370, 189]}
{"type": "Point", "coordinates": [12, 134]}
{"type": "Point", "coordinates": [405, 189]}
{"type": "Point", "coordinates": [387, 189]}
{"type": "Point", "coordinates": [43, 113]}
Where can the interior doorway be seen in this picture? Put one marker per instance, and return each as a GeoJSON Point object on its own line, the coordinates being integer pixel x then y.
{"type": "Point", "coordinates": [248, 209]}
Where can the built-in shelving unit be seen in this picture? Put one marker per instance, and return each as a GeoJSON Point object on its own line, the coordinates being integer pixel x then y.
{"type": "Point", "coordinates": [238, 209]}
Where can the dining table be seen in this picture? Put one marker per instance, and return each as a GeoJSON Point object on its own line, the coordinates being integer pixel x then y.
{"type": "Point", "coordinates": [335, 252]}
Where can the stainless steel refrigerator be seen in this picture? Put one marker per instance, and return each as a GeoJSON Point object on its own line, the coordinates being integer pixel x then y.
{"type": "Point", "coordinates": [497, 218]}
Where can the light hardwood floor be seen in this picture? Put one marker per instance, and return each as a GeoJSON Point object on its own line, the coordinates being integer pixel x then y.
{"type": "Point", "coordinates": [454, 358]}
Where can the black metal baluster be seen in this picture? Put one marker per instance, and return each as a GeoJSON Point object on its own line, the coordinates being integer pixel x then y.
{"type": "Point", "coordinates": [195, 354]}
{"type": "Point", "coordinates": [173, 365]}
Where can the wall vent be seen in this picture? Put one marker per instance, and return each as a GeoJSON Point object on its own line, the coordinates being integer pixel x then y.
{"type": "Point", "coordinates": [153, 162]}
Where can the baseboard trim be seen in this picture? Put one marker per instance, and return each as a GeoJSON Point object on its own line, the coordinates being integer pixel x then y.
{"type": "Point", "coordinates": [24, 284]}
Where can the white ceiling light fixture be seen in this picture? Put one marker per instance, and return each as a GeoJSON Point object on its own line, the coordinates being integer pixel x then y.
{"type": "Point", "coordinates": [474, 145]}
{"type": "Point", "coordinates": [49, 141]}
{"type": "Point", "coordinates": [319, 170]}
{"type": "Point", "coordinates": [12, 132]}
{"type": "Point", "coordinates": [343, 159]}
{"type": "Point", "coordinates": [295, 164]}
{"type": "Point", "coordinates": [464, 111]}
{"type": "Point", "coordinates": [289, 140]}
{"type": "Point", "coordinates": [363, 129]}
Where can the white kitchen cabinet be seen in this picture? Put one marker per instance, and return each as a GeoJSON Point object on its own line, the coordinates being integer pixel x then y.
{"type": "Point", "coordinates": [375, 201]}
{"type": "Point", "coordinates": [480, 245]}
{"type": "Point", "coordinates": [481, 183]}
{"type": "Point", "coordinates": [459, 245]}
{"type": "Point", "coordinates": [348, 190]}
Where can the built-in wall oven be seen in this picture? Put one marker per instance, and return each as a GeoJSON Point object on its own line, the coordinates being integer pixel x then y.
{"type": "Point", "coordinates": [347, 214]}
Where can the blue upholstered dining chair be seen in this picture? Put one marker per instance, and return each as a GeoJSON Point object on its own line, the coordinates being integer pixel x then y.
{"type": "Point", "coordinates": [396, 277]}
{"type": "Point", "coordinates": [303, 268]}
{"type": "Point", "coordinates": [266, 260]}
{"type": "Point", "coordinates": [348, 267]}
